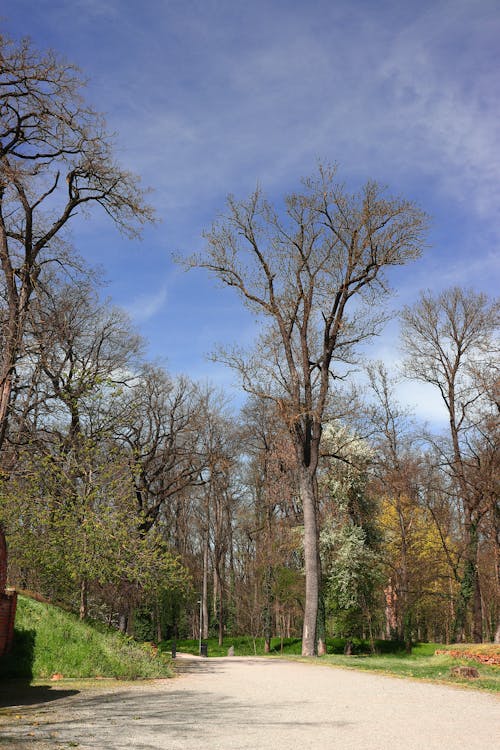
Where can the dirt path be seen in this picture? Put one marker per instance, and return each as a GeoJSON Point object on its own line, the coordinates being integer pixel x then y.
{"type": "Point", "coordinates": [243, 703]}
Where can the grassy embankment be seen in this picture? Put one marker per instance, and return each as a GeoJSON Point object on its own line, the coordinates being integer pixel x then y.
{"type": "Point", "coordinates": [391, 658]}
{"type": "Point", "coordinates": [49, 641]}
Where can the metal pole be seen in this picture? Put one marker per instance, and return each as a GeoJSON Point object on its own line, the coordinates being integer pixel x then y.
{"type": "Point", "coordinates": [201, 616]}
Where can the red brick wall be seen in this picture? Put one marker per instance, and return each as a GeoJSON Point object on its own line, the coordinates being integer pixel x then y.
{"type": "Point", "coordinates": [8, 601]}
{"type": "Point", "coordinates": [7, 617]}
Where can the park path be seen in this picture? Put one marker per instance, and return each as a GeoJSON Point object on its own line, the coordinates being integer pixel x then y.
{"type": "Point", "coordinates": [260, 704]}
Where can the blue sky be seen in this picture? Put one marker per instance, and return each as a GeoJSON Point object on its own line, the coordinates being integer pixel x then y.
{"type": "Point", "coordinates": [211, 97]}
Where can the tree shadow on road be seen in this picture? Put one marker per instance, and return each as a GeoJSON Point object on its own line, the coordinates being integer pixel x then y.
{"type": "Point", "coordinates": [21, 693]}
{"type": "Point", "coordinates": [156, 718]}
{"type": "Point", "coordinates": [185, 665]}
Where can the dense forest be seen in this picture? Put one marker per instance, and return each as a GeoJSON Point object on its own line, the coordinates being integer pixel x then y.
{"type": "Point", "coordinates": [145, 500]}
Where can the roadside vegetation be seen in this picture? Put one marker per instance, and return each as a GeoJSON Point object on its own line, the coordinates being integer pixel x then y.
{"type": "Point", "coordinates": [52, 642]}
{"type": "Point", "coordinates": [422, 664]}
{"type": "Point", "coordinates": [389, 658]}
{"type": "Point", "coordinates": [246, 645]}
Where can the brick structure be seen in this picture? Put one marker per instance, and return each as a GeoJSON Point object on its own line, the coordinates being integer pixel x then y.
{"type": "Point", "coordinates": [8, 601]}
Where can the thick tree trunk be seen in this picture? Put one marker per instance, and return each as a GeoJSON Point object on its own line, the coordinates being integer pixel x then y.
{"type": "Point", "coordinates": [306, 484]}
{"type": "Point", "coordinates": [469, 591]}
{"type": "Point", "coordinates": [477, 621]}
{"type": "Point", "coordinates": [204, 593]}
{"type": "Point", "coordinates": [321, 621]}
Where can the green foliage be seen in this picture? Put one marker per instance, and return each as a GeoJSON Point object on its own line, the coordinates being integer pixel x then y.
{"type": "Point", "coordinates": [350, 538]}
{"type": "Point", "coordinates": [62, 532]}
{"type": "Point", "coordinates": [352, 574]}
{"type": "Point", "coordinates": [49, 640]}
{"type": "Point", "coordinates": [244, 645]}
{"type": "Point", "coordinates": [248, 646]}
{"type": "Point", "coordinates": [421, 664]}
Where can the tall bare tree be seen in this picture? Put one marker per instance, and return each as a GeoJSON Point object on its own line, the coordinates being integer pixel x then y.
{"type": "Point", "coordinates": [157, 425]}
{"type": "Point", "coordinates": [395, 469]}
{"type": "Point", "coordinates": [55, 161]}
{"type": "Point", "coordinates": [450, 338]}
{"type": "Point", "coordinates": [304, 270]}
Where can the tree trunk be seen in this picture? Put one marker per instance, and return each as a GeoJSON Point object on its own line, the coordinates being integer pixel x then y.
{"type": "Point", "coordinates": [469, 590]}
{"type": "Point", "coordinates": [497, 634]}
{"type": "Point", "coordinates": [221, 618]}
{"type": "Point", "coordinates": [321, 621]}
{"type": "Point", "coordinates": [157, 610]}
{"type": "Point", "coordinates": [204, 593]}
{"type": "Point", "coordinates": [477, 622]}
{"type": "Point", "coordinates": [5, 391]}
{"type": "Point", "coordinates": [123, 622]}
{"type": "Point", "coordinates": [306, 484]}
{"type": "Point", "coordinates": [267, 615]}
{"type": "Point", "coordinates": [84, 606]}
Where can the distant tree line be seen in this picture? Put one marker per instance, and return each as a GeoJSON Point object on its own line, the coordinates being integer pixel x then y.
{"type": "Point", "coordinates": [321, 508]}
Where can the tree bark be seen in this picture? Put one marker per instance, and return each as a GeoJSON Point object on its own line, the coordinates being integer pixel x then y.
{"type": "Point", "coordinates": [306, 484]}
{"type": "Point", "coordinates": [204, 593]}
{"type": "Point", "coordinates": [84, 606]}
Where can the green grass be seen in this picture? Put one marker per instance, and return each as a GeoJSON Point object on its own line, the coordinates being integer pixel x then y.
{"type": "Point", "coordinates": [246, 646]}
{"type": "Point", "coordinates": [243, 646]}
{"type": "Point", "coordinates": [391, 658]}
{"type": "Point", "coordinates": [421, 664]}
{"type": "Point", "coordinates": [49, 640]}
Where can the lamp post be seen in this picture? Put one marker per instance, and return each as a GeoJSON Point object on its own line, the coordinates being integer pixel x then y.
{"type": "Point", "coordinates": [201, 618]}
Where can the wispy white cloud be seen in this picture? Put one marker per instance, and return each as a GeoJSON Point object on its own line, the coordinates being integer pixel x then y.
{"type": "Point", "coordinates": [147, 305]}
{"type": "Point", "coordinates": [446, 99]}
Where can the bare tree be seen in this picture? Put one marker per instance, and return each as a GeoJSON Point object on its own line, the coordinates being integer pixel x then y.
{"type": "Point", "coordinates": [449, 339]}
{"type": "Point", "coordinates": [271, 486]}
{"type": "Point", "coordinates": [218, 501]}
{"type": "Point", "coordinates": [303, 271]}
{"type": "Point", "coordinates": [395, 468]}
{"type": "Point", "coordinates": [55, 161]}
{"type": "Point", "coordinates": [157, 426]}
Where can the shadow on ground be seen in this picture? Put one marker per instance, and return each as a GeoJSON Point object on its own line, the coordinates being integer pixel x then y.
{"type": "Point", "coordinates": [185, 665]}
{"type": "Point", "coordinates": [21, 693]}
{"type": "Point", "coordinates": [16, 673]}
{"type": "Point", "coordinates": [153, 719]}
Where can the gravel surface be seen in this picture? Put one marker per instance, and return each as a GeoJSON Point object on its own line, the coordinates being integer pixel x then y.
{"type": "Point", "coordinates": [242, 703]}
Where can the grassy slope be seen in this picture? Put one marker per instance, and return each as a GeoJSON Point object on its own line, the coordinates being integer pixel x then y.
{"type": "Point", "coordinates": [391, 659]}
{"type": "Point", "coordinates": [49, 640]}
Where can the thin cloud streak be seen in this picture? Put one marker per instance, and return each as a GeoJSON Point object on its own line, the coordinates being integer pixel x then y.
{"type": "Point", "coordinates": [147, 305]}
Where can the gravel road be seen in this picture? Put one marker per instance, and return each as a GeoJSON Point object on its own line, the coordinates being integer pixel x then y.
{"type": "Point", "coordinates": [242, 703]}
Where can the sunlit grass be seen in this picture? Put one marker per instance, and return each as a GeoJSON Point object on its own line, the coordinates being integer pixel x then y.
{"type": "Point", "coordinates": [421, 665]}
{"type": "Point", "coordinates": [50, 641]}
